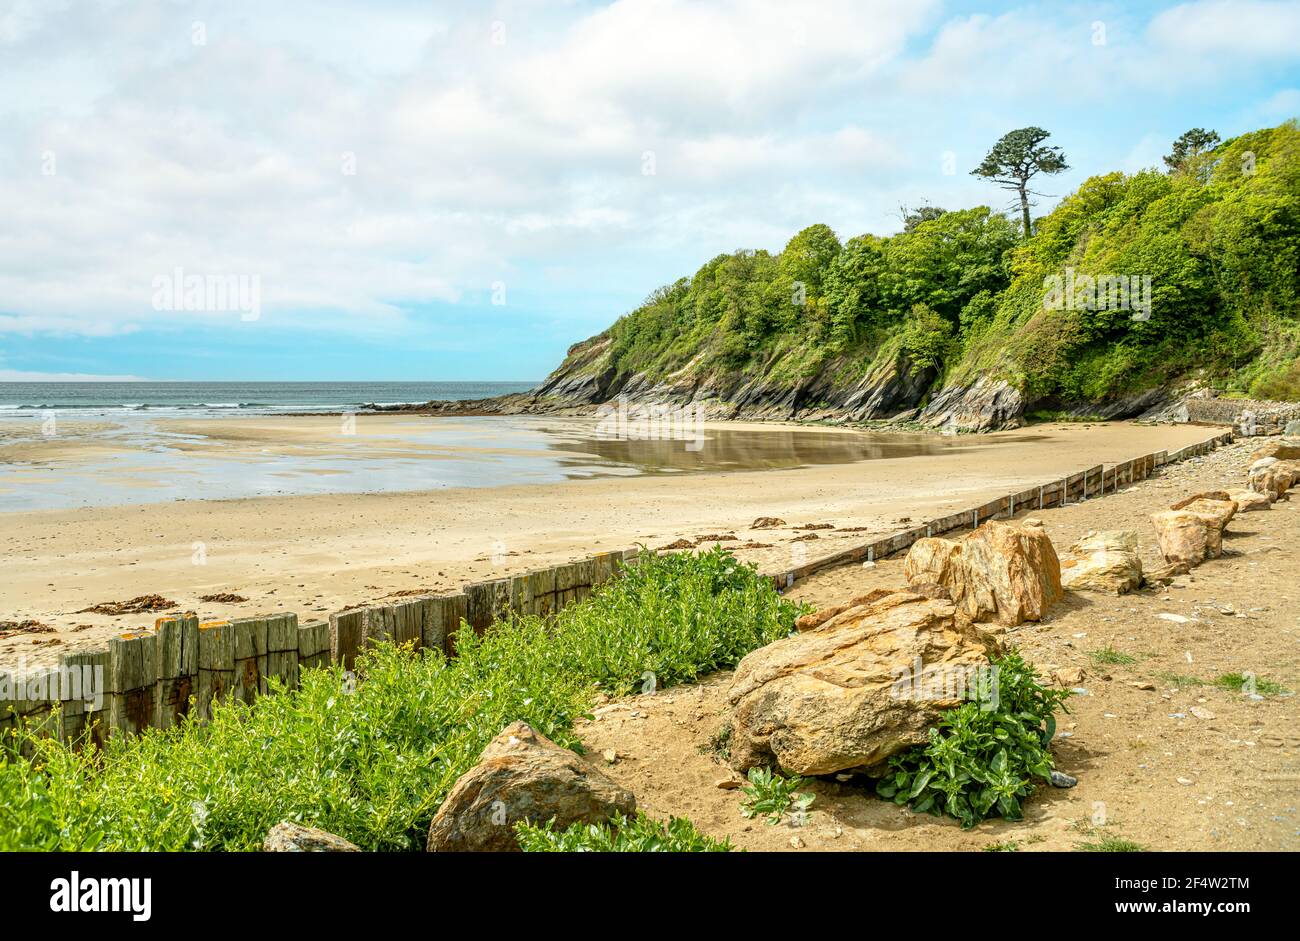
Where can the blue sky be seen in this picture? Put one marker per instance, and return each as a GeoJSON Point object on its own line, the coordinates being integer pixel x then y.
{"type": "Point", "coordinates": [422, 190]}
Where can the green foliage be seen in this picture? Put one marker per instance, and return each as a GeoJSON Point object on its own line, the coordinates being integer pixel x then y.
{"type": "Point", "coordinates": [1246, 683]}
{"type": "Point", "coordinates": [927, 338]}
{"type": "Point", "coordinates": [1111, 844]}
{"type": "Point", "coordinates": [773, 794]}
{"type": "Point", "coordinates": [371, 761]}
{"type": "Point", "coordinates": [984, 757]}
{"type": "Point", "coordinates": [1191, 153]}
{"type": "Point", "coordinates": [1109, 655]}
{"type": "Point", "coordinates": [1219, 242]}
{"type": "Point", "coordinates": [620, 835]}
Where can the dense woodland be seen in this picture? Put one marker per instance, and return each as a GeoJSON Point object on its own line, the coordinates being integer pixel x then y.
{"type": "Point", "coordinates": [962, 291]}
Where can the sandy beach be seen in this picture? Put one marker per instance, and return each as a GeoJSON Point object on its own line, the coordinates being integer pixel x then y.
{"type": "Point", "coordinates": [316, 553]}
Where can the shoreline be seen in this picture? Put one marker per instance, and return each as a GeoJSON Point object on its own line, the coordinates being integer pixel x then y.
{"type": "Point", "coordinates": [320, 553]}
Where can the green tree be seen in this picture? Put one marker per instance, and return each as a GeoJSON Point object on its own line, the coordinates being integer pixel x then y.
{"type": "Point", "coordinates": [1016, 159]}
{"type": "Point", "coordinates": [1190, 152]}
{"type": "Point", "coordinates": [914, 217]}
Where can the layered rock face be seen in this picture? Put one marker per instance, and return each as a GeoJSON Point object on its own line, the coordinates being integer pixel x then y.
{"type": "Point", "coordinates": [1000, 572]}
{"type": "Point", "coordinates": [522, 775]}
{"type": "Point", "coordinates": [857, 687]}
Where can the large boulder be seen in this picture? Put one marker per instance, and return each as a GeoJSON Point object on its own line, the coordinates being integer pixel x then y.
{"type": "Point", "coordinates": [1262, 479]}
{"type": "Point", "coordinates": [1000, 572]}
{"type": "Point", "coordinates": [289, 837]}
{"type": "Point", "coordinates": [1104, 561]}
{"type": "Point", "coordinates": [1205, 503]}
{"type": "Point", "coordinates": [522, 775]}
{"type": "Point", "coordinates": [1284, 449]}
{"type": "Point", "coordinates": [1216, 509]}
{"type": "Point", "coordinates": [1185, 538]}
{"type": "Point", "coordinates": [1248, 501]}
{"type": "Point", "coordinates": [863, 685]}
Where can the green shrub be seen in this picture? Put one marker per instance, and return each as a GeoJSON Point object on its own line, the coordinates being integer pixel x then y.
{"type": "Point", "coordinates": [981, 760]}
{"type": "Point", "coordinates": [371, 761]}
{"type": "Point", "coordinates": [773, 795]}
{"type": "Point", "coordinates": [620, 835]}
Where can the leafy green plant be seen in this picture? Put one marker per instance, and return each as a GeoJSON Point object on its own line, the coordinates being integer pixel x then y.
{"type": "Point", "coordinates": [640, 834]}
{"type": "Point", "coordinates": [1010, 846]}
{"type": "Point", "coordinates": [371, 761]}
{"type": "Point", "coordinates": [981, 760]}
{"type": "Point", "coordinates": [773, 794]}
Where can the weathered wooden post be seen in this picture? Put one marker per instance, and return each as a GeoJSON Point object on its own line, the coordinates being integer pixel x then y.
{"type": "Point", "coordinates": [313, 645]}
{"type": "Point", "coordinates": [346, 635]}
{"type": "Point", "coordinates": [216, 664]}
{"type": "Point", "coordinates": [443, 620]}
{"type": "Point", "coordinates": [281, 650]}
{"type": "Point", "coordinates": [249, 657]}
{"type": "Point", "coordinates": [178, 668]}
{"type": "Point", "coordinates": [133, 682]}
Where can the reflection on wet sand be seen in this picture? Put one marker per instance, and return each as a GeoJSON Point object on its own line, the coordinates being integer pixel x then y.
{"type": "Point", "coordinates": [758, 449]}
{"type": "Point", "coordinates": [141, 459]}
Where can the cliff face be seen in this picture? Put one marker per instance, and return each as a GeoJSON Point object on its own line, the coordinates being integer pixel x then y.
{"type": "Point", "coordinates": [893, 390]}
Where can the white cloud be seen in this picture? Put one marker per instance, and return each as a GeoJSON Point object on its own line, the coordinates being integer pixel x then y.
{"type": "Point", "coordinates": [18, 375]}
{"type": "Point", "coordinates": [1249, 28]}
{"type": "Point", "coordinates": [477, 160]}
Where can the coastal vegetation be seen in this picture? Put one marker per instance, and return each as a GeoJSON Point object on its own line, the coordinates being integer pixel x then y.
{"type": "Point", "coordinates": [640, 834]}
{"type": "Point", "coordinates": [372, 761]}
{"type": "Point", "coordinates": [1206, 256]}
{"type": "Point", "coordinates": [986, 756]}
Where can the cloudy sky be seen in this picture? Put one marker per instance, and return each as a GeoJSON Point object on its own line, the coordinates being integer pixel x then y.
{"type": "Point", "coordinates": [440, 190]}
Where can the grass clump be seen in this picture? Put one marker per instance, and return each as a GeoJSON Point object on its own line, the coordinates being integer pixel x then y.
{"type": "Point", "coordinates": [620, 835]}
{"type": "Point", "coordinates": [1249, 683]}
{"type": "Point", "coordinates": [1109, 655]}
{"type": "Point", "coordinates": [984, 757]}
{"type": "Point", "coordinates": [372, 761]}
{"type": "Point", "coordinates": [772, 794]}
{"type": "Point", "coordinates": [1111, 844]}
{"type": "Point", "coordinates": [1179, 680]}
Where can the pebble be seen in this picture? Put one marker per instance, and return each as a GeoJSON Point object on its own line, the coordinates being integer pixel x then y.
{"type": "Point", "coordinates": [1185, 781]}
{"type": "Point", "coordinates": [1061, 779]}
{"type": "Point", "coordinates": [796, 842]}
{"type": "Point", "coordinates": [727, 784]}
{"type": "Point", "coordinates": [1201, 713]}
{"type": "Point", "coordinates": [610, 755]}
{"type": "Point", "coordinates": [1175, 618]}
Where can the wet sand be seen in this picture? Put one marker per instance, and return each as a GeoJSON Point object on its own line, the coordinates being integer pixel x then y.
{"type": "Point", "coordinates": [318, 553]}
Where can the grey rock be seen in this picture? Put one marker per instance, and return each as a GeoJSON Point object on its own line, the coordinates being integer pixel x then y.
{"type": "Point", "coordinates": [1061, 779]}
{"type": "Point", "coordinates": [289, 837]}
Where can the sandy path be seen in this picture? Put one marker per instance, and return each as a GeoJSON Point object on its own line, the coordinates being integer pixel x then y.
{"type": "Point", "coordinates": [315, 554]}
{"type": "Point", "coordinates": [1150, 770]}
